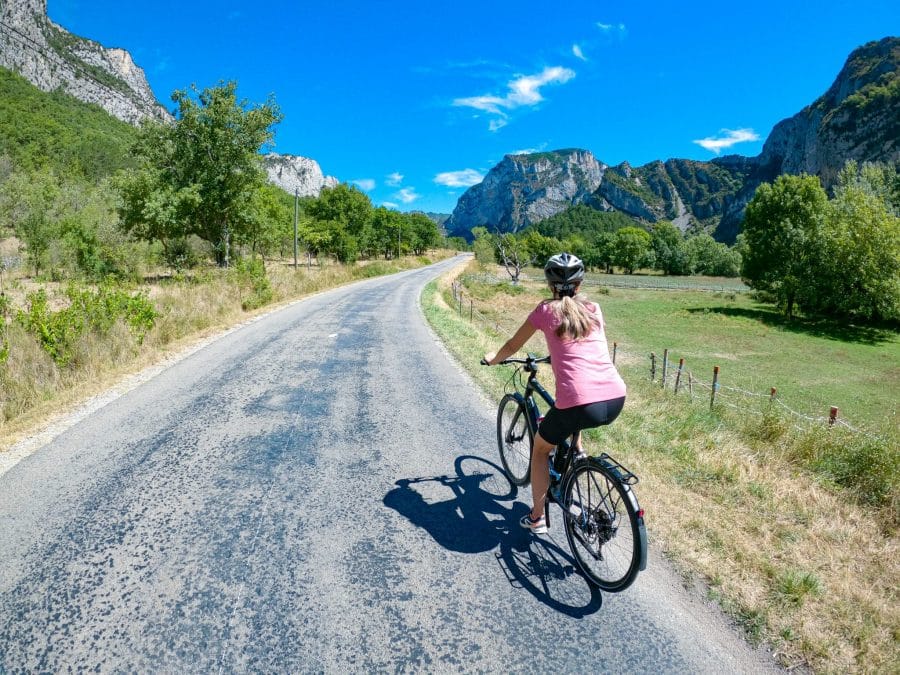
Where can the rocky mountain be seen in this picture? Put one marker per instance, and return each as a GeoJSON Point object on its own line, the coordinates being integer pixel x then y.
{"type": "Point", "coordinates": [857, 118]}
{"type": "Point", "coordinates": [51, 58]}
{"type": "Point", "coordinates": [291, 172]}
{"type": "Point", "coordinates": [525, 189]}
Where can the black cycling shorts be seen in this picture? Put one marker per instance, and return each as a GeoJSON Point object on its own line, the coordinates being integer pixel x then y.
{"type": "Point", "coordinates": [558, 425]}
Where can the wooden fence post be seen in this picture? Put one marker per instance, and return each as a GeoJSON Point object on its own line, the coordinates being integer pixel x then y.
{"type": "Point", "coordinates": [691, 385]}
{"type": "Point", "coordinates": [471, 310]}
{"type": "Point", "coordinates": [678, 374]}
{"type": "Point", "coordinates": [665, 371]}
{"type": "Point", "coordinates": [715, 385]}
{"type": "Point", "coordinates": [615, 347]}
{"type": "Point", "coordinates": [652, 366]}
{"type": "Point", "coordinates": [772, 395]}
{"type": "Point", "coordinates": [832, 416]}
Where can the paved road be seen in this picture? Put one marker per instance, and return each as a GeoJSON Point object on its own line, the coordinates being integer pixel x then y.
{"type": "Point", "coordinates": [318, 491]}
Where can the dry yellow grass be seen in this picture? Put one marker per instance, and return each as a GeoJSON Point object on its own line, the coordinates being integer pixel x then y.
{"type": "Point", "coordinates": [798, 564]}
{"type": "Point", "coordinates": [33, 389]}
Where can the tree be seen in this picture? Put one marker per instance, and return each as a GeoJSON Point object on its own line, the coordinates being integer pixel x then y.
{"type": "Point", "coordinates": [423, 232]}
{"type": "Point", "coordinates": [630, 248]}
{"type": "Point", "coordinates": [483, 246]}
{"type": "Point", "coordinates": [199, 174]}
{"type": "Point", "coordinates": [668, 245]}
{"type": "Point", "coordinates": [783, 237]}
{"type": "Point", "coordinates": [513, 254]}
{"type": "Point", "coordinates": [711, 257]}
{"type": "Point", "coordinates": [859, 274]}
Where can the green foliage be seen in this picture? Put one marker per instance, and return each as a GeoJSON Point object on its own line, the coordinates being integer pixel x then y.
{"type": "Point", "coordinates": [794, 586]}
{"type": "Point", "coordinates": [839, 258]}
{"type": "Point", "coordinates": [59, 332]}
{"type": "Point", "coordinates": [712, 258]}
{"type": "Point", "coordinates": [630, 248]}
{"type": "Point", "coordinates": [5, 308]}
{"type": "Point", "coordinates": [583, 221]}
{"type": "Point", "coordinates": [256, 289]}
{"type": "Point", "coordinates": [56, 132]}
{"type": "Point", "coordinates": [483, 246]}
{"type": "Point", "coordinates": [869, 466]}
{"type": "Point", "coordinates": [782, 236]}
{"type": "Point", "coordinates": [200, 174]}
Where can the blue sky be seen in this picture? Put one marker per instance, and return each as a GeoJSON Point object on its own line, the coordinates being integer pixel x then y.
{"type": "Point", "coordinates": [415, 101]}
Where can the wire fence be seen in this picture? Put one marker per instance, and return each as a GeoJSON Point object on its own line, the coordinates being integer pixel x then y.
{"type": "Point", "coordinates": [678, 379]}
{"type": "Point", "coordinates": [657, 283]}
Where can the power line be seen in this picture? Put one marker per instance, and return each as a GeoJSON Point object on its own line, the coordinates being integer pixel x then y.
{"type": "Point", "coordinates": [80, 71]}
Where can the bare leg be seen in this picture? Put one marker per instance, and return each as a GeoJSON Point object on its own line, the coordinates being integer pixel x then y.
{"type": "Point", "coordinates": [540, 475]}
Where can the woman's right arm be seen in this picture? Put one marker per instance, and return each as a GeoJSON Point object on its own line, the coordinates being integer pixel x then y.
{"type": "Point", "coordinates": [514, 344]}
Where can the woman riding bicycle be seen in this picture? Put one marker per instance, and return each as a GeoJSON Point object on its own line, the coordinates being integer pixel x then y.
{"type": "Point", "coordinates": [589, 391]}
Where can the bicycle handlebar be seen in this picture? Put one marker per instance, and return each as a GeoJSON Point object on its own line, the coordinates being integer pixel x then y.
{"type": "Point", "coordinates": [531, 360]}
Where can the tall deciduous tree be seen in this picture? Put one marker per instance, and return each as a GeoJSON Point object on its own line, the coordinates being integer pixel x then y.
{"type": "Point", "coordinates": [199, 174]}
{"type": "Point", "coordinates": [630, 248]}
{"type": "Point", "coordinates": [783, 238]}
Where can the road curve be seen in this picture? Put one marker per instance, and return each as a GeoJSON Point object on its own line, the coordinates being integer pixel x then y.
{"type": "Point", "coordinates": [317, 491]}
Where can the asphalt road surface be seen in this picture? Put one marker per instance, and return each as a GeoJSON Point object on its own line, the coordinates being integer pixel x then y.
{"type": "Point", "coordinates": [317, 491]}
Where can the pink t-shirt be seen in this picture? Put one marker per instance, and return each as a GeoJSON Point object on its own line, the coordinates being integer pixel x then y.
{"type": "Point", "coordinates": [583, 369]}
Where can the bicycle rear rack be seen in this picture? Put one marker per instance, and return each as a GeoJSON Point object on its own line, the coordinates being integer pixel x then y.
{"type": "Point", "coordinates": [620, 472]}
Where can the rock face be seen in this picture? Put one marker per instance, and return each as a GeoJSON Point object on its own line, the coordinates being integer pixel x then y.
{"type": "Point", "coordinates": [290, 173]}
{"type": "Point", "coordinates": [525, 189]}
{"type": "Point", "coordinates": [857, 118]}
{"type": "Point", "coordinates": [52, 58]}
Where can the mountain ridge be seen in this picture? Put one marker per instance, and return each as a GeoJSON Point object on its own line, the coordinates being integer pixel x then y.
{"type": "Point", "coordinates": [857, 118]}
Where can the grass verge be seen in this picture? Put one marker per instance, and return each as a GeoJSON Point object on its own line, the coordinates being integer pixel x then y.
{"type": "Point", "coordinates": [797, 560]}
{"type": "Point", "coordinates": [35, 387]}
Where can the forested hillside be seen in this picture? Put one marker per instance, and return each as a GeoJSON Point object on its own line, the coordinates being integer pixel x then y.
{"type": "Point", "coordinates": [56, 131]}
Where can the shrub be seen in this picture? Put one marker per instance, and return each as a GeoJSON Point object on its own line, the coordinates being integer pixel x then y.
{"type": "Point", "coordinates": [59, 332]}
{"type": "Point", "coordinates": [251, 276]}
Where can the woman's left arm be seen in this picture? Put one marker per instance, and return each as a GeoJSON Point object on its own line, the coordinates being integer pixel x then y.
{"type": "Point", "coordinates": [514, 344]}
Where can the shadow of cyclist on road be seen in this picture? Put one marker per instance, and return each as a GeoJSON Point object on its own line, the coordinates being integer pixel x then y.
{"type": "Point", "coordinates": [476, 511]}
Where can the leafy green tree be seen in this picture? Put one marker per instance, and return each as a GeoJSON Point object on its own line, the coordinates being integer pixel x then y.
{"type": "Point", "coordinates": [710, 257]}
{"type": "Point", "coordinates": [423, 232]}
{"type": "Point", "coordinates": [859, 272]}
{"type": "Point", "coordinates": [667, 242]}
{"type": "Point", "coordinates": [200, 174]}
{"type": "Point", "coordinates": [29, 202]}
{"type": "Point", "coordinates": [483, 246]}
{"type": "Point", "coordinates": [630, 248]}
{"type": "Point", "coordinates": [783, 237]}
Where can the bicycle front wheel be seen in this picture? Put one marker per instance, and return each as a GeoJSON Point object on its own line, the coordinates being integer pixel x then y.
{"type": "Point", "coordinates": [514, 438]}
{"type": "Point", "coordinates": [602, 526]}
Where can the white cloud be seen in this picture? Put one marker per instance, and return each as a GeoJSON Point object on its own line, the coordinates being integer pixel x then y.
{"type": "Point", "coordinates": [464, 178]}
{"type": "Point", "coordinates": [389, 205]}
{"type": "Point", "coordinates": [394, 179]}
{"type": "Point", "coordinates": [407, 195]}
{"type": "Point", "coordinates": [365, 184]}
{"type": "Point", "coordinates": [727, 138]}
{"type": "Point", "coordinates": [577, 51]}
{"type": "Point", "coordinates": [524, 90]}
{"type": "Point", "coordinates": [612, 28]}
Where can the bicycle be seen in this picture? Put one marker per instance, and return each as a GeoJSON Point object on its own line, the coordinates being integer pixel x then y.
{"type": "Point", "coordinates": [604, 523]}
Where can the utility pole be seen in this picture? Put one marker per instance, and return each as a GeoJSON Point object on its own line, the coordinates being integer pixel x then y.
{"type": "Point", "coordinates": [398, 241]}
{"type": "Point", "coordinates": [296, 199]}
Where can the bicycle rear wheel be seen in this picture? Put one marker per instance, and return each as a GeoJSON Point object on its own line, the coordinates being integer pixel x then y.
{"type": "Point", "coordinates": [602, 526]}
{"type": "Point", "coordinates": [515, 439]}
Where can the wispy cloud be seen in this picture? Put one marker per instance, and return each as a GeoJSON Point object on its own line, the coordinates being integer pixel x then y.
{"type": "Point", "coordinates": [464, 178]}
{"type": "Point", "coordinates": [578, 52]}
{"type": "Point", "coordinates": [524, 90]}
{"type": "Point", "coordinates": [365, 184]}
{"type": "Point", "coordinates": [394, 179]}
{"type": "Point", "coordinates": [389, 205]}
{"type": "Point", "coordinates": [407, 195]}
{"type": "Point", "coordinates": [727, 138]}
{"type": "Point", "coordinates": [530, 151]}
{"type": "Point", "coordinates": [618, 29]}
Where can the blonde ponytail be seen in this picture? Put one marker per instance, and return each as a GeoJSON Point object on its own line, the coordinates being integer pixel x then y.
{"type": "Point", "coordinates": [576, 321]}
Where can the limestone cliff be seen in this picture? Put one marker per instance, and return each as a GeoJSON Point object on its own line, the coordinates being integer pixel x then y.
{"type": "Point", "coordinates": [525, 189]}
{"type": "Point", "coordinates": [51, 58]}
{"type": "Point", "coordinates": [292, 173]}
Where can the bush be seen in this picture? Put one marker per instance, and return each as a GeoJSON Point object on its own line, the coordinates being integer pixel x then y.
{"type": "Point", "coordinates": [251, 276]}
{"type": "Point", "coordinates": [869, 466]}
{"type": "Point", "coordinates": [59, 332]}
